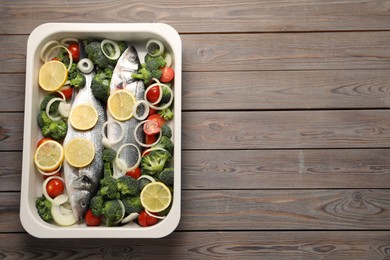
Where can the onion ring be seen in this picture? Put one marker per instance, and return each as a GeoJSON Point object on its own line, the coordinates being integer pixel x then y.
{"type": "Point", "coordinates": [117, 53]}
{"type": "Point", "coordinates": [42, 54]}
{"type": "Point", "coordinates": [49, 104]}
{"type": "Point", "coordinates": [119, 161]}
{"type": "Point", "coordinates": [139, 142]}
{"type": "Point", "coordinates": [146, 110]}
{"type": "Point", "coordinates": [44, 191]}
{"type": "Point", "coordinates": [154, 47]}
{"type": "Point", "coordinates": [85, 65]}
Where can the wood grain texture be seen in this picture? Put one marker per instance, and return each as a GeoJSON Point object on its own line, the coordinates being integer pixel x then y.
{"type": "Point", "coordinates": [329, 89]}
{"type": "Point", "coordinates": [286, 169]}
{"type": "Point", "coordinates": [352, 245]}
{"type": "Point", "coordinates": [218, 210]}
{"type": "Point", "coordinates": [257, 52]}
{"type": "Point", "coordinates": [12, 89]}
{"type": "Point", "coordinates": [10, 171]}
{"type": "Point", "coordinates": [286, 129]}
{"type": "Point", "coordinates": [11, 131]}
{"type": "Point", "coordinates": [199, 16]}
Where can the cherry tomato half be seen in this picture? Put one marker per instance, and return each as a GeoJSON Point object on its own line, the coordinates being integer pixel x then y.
{"type": "Point", "coordinates": [149, 139]}
{"type": "Point", "coordinates": [43, 140]}
{"type": "Point", "coordinates": [153, 94]}
{"type": "Point", "coordinates": [145, 220]}
{"type": "Point", "coordinates": [151, 128]}
{"type": "Point", "coordinates": [91, 219]}
{"type": "Point", "coordinates": [136, 173]}
{"type": "Point", "coordinates": [54, 188]}
{"type": "Point", "coordinates": [157, 118]}
{"type": "Point", "coordinates": [74, 49]}
{"type": "Point", "coordinates": [67, 91]}
{"type": "Point", "coordinates": [167, 74]}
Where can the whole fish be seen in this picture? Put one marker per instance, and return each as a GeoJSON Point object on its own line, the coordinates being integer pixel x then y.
{"type": "Point", "coordinates": [82, 183]}
{"type": "Point", "coordinates": [121, 79]}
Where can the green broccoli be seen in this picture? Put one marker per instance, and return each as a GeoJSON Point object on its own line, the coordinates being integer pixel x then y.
{"type": "Point", "coordinates": [108, 188]}
{"type": "Point", "coordinates": [112, 211]}
{"type": "Point", "coordinates": [166, 144]}
{"type": "Point", "coordinates": [101, 86]}
{"type": "Point", "coordinates": [122, 46]}
{"type": "Point", "coordinates": [73, 71]}
{"type": "Point", "coordinates": [143, 182]}
{"type": "Point", "coordinates": [63, 56]}
{"type": "Point", "coordinates": [54, 129]}
{"type": "Point", "coordinates": [127, 185]}
{"type": "Point", "coordinates": [44, 208]}
{"type": "Point", "coordinates": [166, 130]}
{"type": "Point", "coordinates": [53, 108]}
{"type": "Point", "coordinates": [132, 204]}
{"type": "Point", "coordinates": [143, 74]}
{"type": "Point", "coordinates": [166, 113]}
{"type": "Point", "coordinates": [79, 81]}
{"type": "Point", "coordinates": [95, 54]}
{"type": "Point", "coordinates": [166, 95]}
{"type": "Point", "coordinates": [155, 161]}
{"type": "Point", "coordinates": [109, 155]}
{"type": "Point", "coordinates": [154, 63]}
{"type": "Point", "coordinates": [150, 69]}
{"type": "Point", "coordinates": [166, 176]}
{"type": "Point", "coordinates": [96, 205]}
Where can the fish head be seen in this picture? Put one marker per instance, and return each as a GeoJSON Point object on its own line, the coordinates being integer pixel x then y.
{"type": "Point", "coordinates": [80, 199]}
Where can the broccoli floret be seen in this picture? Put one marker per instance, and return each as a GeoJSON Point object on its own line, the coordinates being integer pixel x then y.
{"type": "Point", "coordinates": [53, 108]}
{"type": "Point", "coordinates": [166, 96]}
{"type": "Point", "coordinates": [108, 71]}
{"type": "Point", "coordinates": [142, 74]}
{"type": "Point", "coordinates": [166, 176]}
{"type": "Point", "coordinates": [54, 129]}
{"type": "Point", "coordinates": [122, 46]}
{"type": "Point", "coordinates": [73, 72]}
{"type": "Point", "coordinates": [79, 81]}
{"type": "Point", "coordinates": [150, 69]}
{"type": "Point", "coordinates": [166, 113]}
{"type": "Point", "coordinates": [101, 86]}
{"type": "Point", "coordinates": [154, 63]}
{"type": "Point", "coordinates": [143, 182]}
{"type": "Point", "coordinates": [132, 204]}
{"type": "Point", "coordinates": [95, 54]}
{"type": "Point", "coordinates": [127, 185]}
{"type": "Point", "coordinates": [112, 211]}
{"type": "Point", "coordinates": [44, 208]}
{"type": "Point", "coordinates": [166, 144]}
{"type": "Point", "coordinates": [96, 205]}
{"type": "Point", "coordinates": [155, 161]}
{"type": "Point", "coordinates": [109, 155]}
{"type": "Point", "coordinates": [166, 130]}
{"type": "Point", "coordinates": [108, 188]}
{"type": "Point", "coordinates": [63, 56]}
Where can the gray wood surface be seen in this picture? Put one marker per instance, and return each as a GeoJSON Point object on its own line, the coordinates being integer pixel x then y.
{"type": "Point", "coordinates": [285, 129]}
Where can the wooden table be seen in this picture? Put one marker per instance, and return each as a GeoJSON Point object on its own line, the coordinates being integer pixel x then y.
{"type": "Point", "coordinates": [286, 130]}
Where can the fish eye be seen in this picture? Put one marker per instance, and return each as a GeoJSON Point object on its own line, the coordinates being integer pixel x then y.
{"type": "Point", "coordinates": [83, 204]}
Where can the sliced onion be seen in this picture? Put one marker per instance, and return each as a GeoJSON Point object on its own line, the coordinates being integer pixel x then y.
{"type": "Point", "coordinates": [138, 141]}
{"type": "Point", "coordinates": [146, 110]}
{"type": "Point", "coordinates": [47, 58]}
{"type": "Point", "coordinates": [44, 191]}
{"type": "Point", "coordinates": [152, 105]}
{"type": "Point", "coordinates": [119, 162]}
{"type": "Point", "coordinates": [85, 65]}
{"type": "Point", "coordinates": [64, 109]}
{"type": "Point", "coordinates": [153, 45]}
{"type": "Point", "coordinates": [107, 142]}
{"type": "Point", "coordinates": [43, 53]}
{"type": "Point", "coordinates": [65, 41]}
{"type": "Point", "coordinates": [159, 89]}
{"type": "Point", "coordinates": [168, 59]}
{"type": "Point", "coordinates": [61, 215]}
{"type": "Point", "coordinates": [60, 199]}
{"type": "Point", "coordinates": [49, 173]}
{"type": "Point", "coordinates": [60, 92]}
{"type": "Point", "coordinates": [153, 149]}
{"type": "Point", "coordinates": [49, 104]}
{"type": "Point", "coordinates": [145, 176]}
{"type": "Point", "coordinates": [155, 216]}
{"type": "Point", "coordinates": [130, 217]}
{"type": "Point", "coordinates": [117, 53]}
{"type": "Point", "coordinates": [165, 105]}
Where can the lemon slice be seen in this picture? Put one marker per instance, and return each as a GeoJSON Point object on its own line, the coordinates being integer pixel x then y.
{"type": "Point", "coordinates": [53, 75]}
{"type": "Point", "coordinates": [155, 197]}
{"type": "Point", "coordinates": [83, 117]}
{"type": "Point", "coordinates": [120, 104]}
{"type": "Point", "coordinates": [79, 152]}
{"type": "Point", "coordinates": [49, 155]}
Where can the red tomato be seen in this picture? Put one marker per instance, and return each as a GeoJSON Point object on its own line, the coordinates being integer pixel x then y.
{"type": "Point", "coordinates": [145, 220]}
{"type": "Point", "coordinates": [43, 140]}
{"type": "Point", "coordinates": [153, 94]}
{"type": "Point", "coordinates": [152, 111]}
{"type": "Point", "coordinates": [74, 49]}
{"type": "Point", "coordinates": [156, 117]}
{"type": "Point", "coordinates": [134, 173]}
{"type": "Point", "coordinates": [54, 188]}
{"type": "Point", "coordinates": [67, 91]}
{"type": "Point", "coordinates": [91, 219]}
{"type": "Point", "coordinates": [167, 74]}
{"type": "Point", "coordinates": [151, 128]}
{"type": "Point", "coordinates": [149, 139]}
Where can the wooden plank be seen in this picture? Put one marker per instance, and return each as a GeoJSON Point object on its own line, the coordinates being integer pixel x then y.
{"type": "Point", "coordinates": [200, 16]}
{"type": "Point", "coordinates": [286, 169]}
{"type": "Point", "coordinates": [256, 52]}
{"type": "Point", "coordinates": [218, 210]}
{"type": "Point", "coordinates": [272, 169]}
{"type": "Point", "coordinates": [351, 245]}
{"type": "Point", "coordinates": [11, 131]}
{"type": "Point", "coordinates": [238, 90]}
{"type": "Point", "coordinates": [12, 89]}
{"type": "Point", "coordinates": [10, 171]}
{"type": "Point", "coordinates": [286, 129]}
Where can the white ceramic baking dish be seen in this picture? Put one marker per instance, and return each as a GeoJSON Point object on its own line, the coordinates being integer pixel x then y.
{"type": "Point", "coordinates": [137, 34]}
